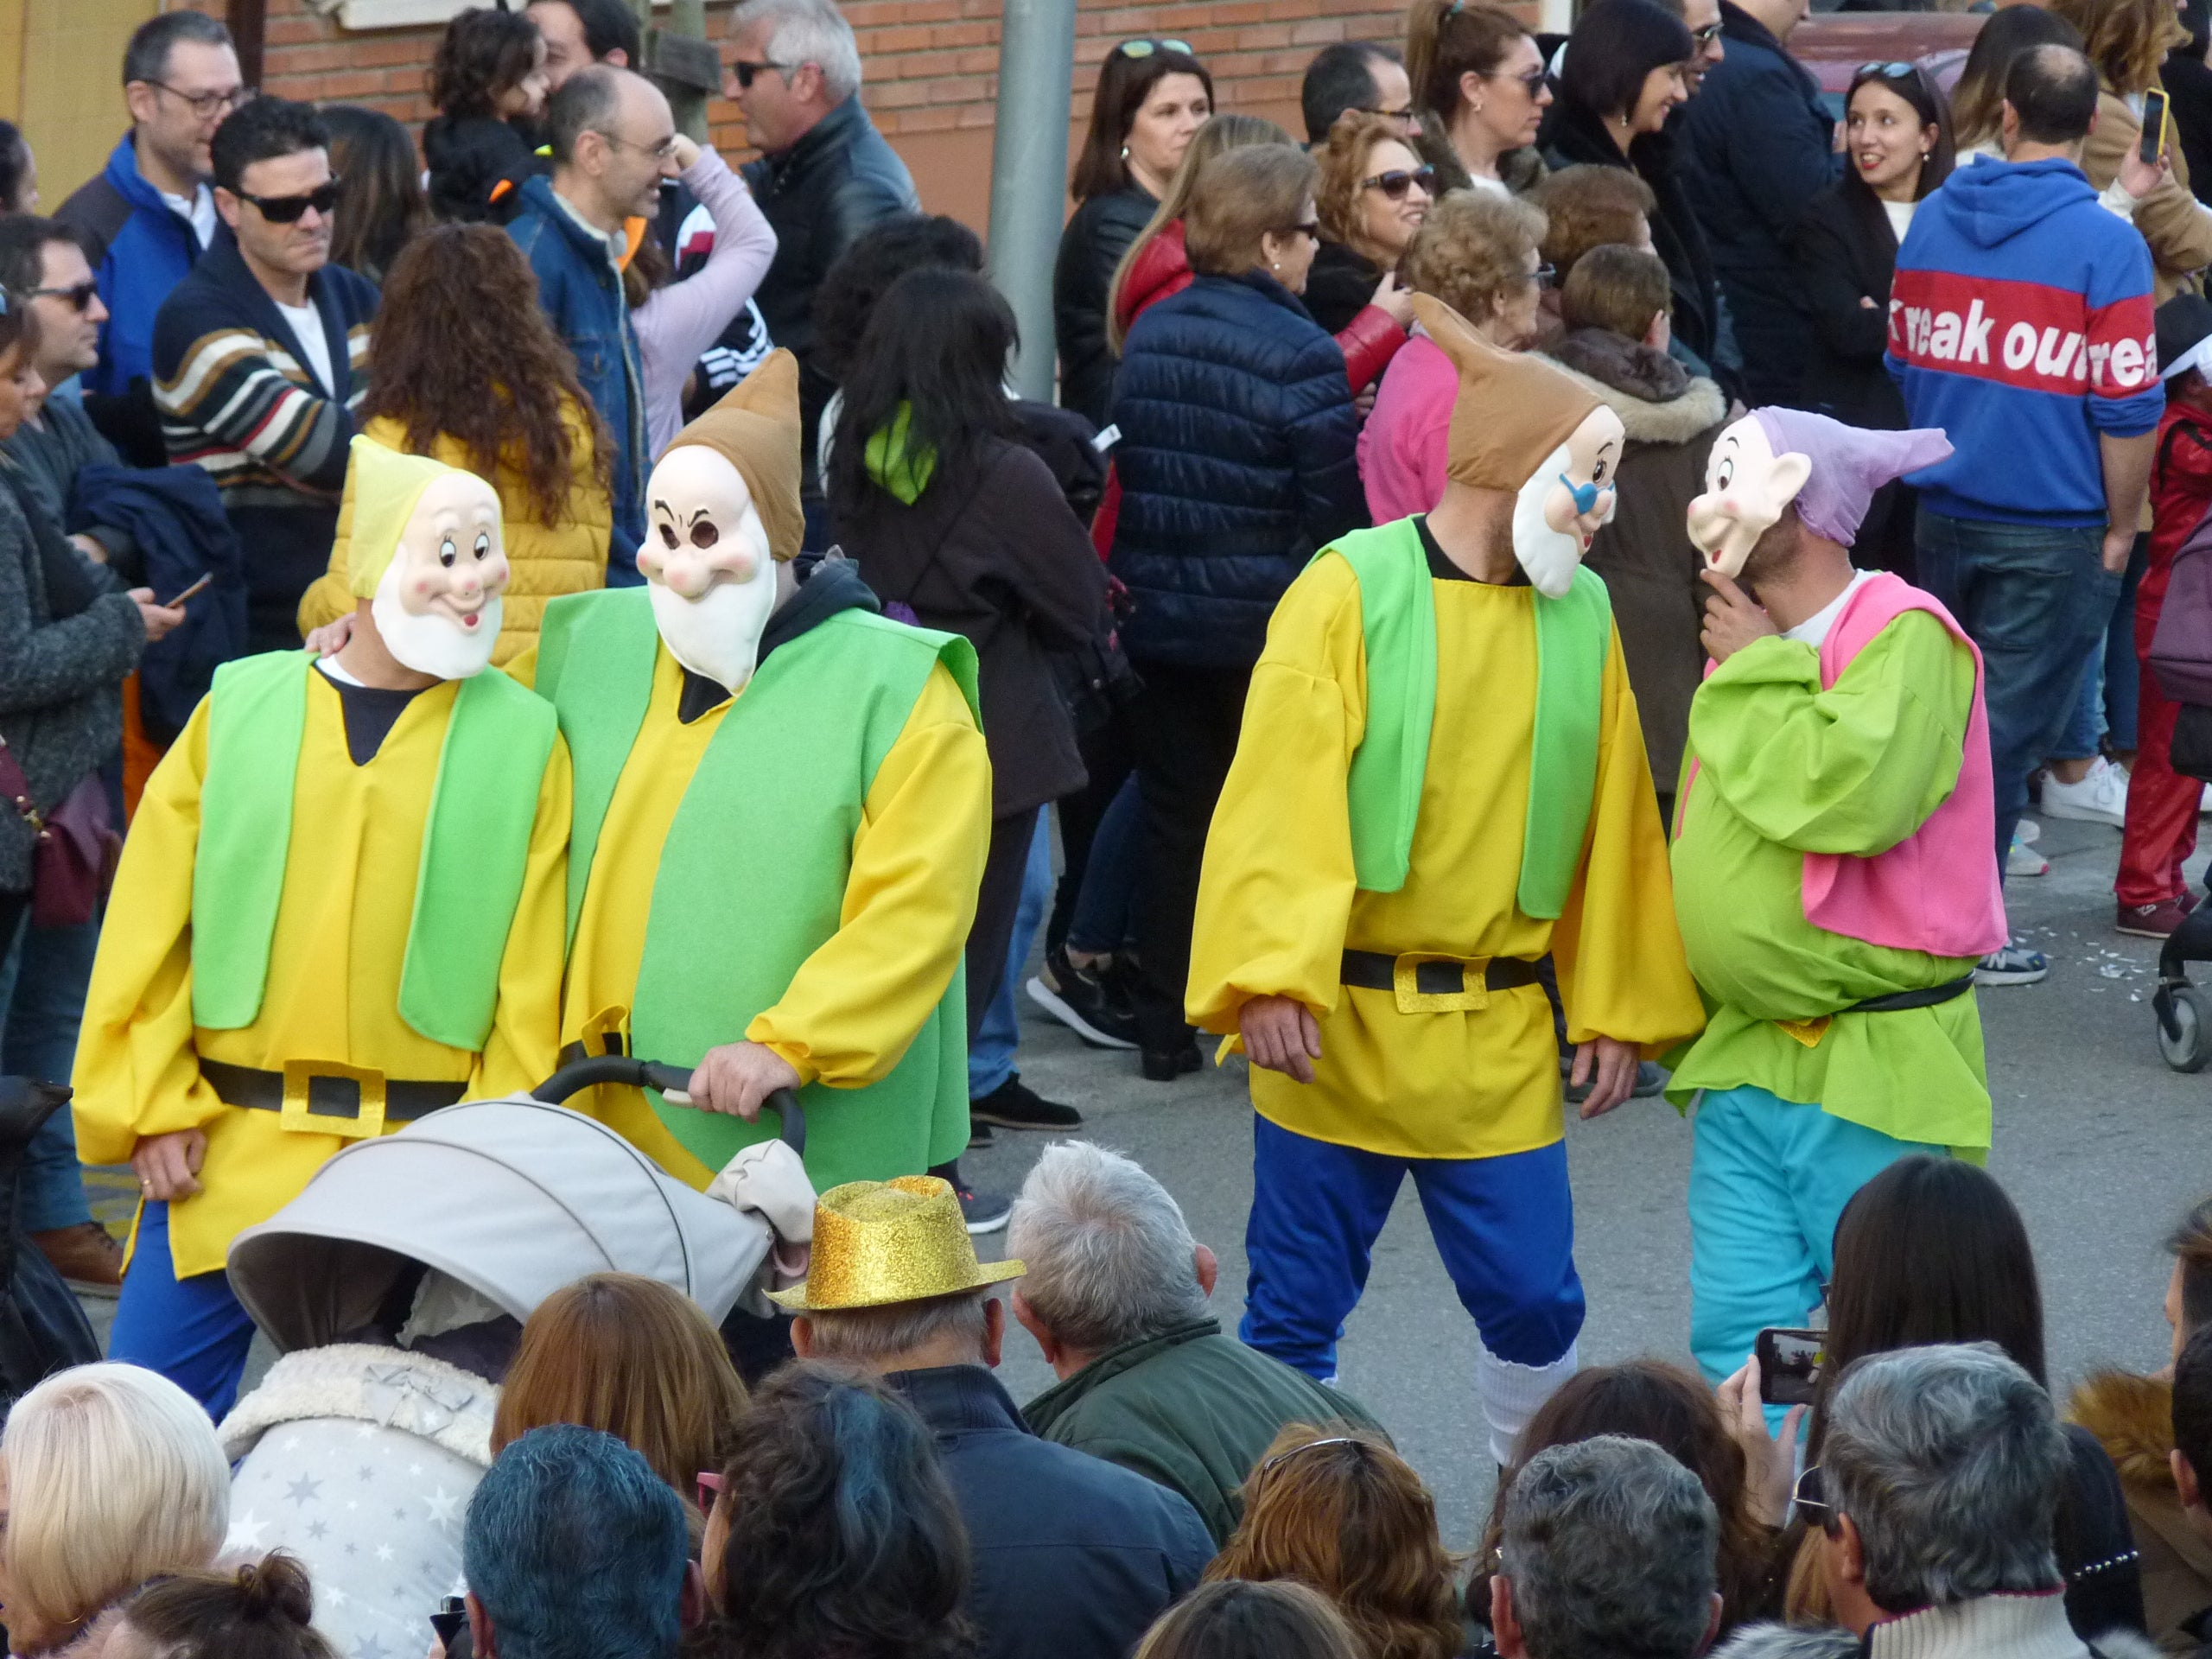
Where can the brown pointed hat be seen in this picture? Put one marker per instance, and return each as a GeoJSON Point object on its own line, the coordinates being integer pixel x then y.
{"type": "Point", "coordinates": [756, 429]}
{"type": "Point", "coordinates": [1512, 410]}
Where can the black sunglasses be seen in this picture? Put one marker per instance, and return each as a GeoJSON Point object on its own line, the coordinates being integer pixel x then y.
{"type": "Point", "coordinates": [1706, 36]}
{"type": "Point", "coordinates": [1399, 180]}
{"type": "Point", "coordinates": [745, 69]}
{"type": "Point", "coordinates": [289, 210]}
{"type": "Point", "coordinates": [78, 299]}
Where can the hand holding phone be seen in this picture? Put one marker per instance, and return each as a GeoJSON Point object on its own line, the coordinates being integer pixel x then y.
{"type": "Point", "coordinates": [2156, 119]}
{"type": "Point", "coordinates": [198, 587]}
{"type": "Point", "coordinates": [1790, 1364]}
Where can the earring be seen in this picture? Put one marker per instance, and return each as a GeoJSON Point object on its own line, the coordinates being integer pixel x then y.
{"type": "Point", "coordinates": [1479, 109]}
{"type": "Point", "coordinates": [1125, 152]}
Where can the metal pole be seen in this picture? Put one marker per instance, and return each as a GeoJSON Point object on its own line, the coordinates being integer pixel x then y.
{"type": "Point", "coordinates": [687, 18]}
{"type": "Point", "coordinates": [1029, 170]}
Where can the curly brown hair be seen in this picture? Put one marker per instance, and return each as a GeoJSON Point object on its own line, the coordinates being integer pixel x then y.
{"type": "Point", "coordinates": [1336, 1509]}
{"type": "Point", "coordinates": [1344, 168]}
{"type": "Point", "coordinates": [463, 351]}
{"type": "Point", "coordinates": [1472, 250]}
{"type": "Point", "coordinates": [1587, 207]}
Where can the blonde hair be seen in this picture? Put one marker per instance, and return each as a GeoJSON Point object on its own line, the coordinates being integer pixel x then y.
{"type": "Point", "coordinates": [114, 1477]}
{"type": "Point", "coordinates": [1344, 170]}
{"type": "Point", "coordinates": [2126, 39]}
{"type": "Point", "coordinates": [1220, 134]}
{"type": "Point", "coordinates": [631, 1357]}
{"type": "Point", "coordinates": [1473, 249]}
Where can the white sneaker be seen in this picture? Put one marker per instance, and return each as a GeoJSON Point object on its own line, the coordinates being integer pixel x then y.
{"type": "Point", "coordinates": [2028, 832]}
{"type": "Point", "coordinates": [2023, 859]}
{"type": "Point", "coordinates": [2205, 805]}
{"type": "Point", "coordinates": [2099, 797]}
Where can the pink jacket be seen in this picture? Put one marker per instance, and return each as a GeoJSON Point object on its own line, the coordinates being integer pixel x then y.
{"type": "Point", "coordinates": [1405, 445]}
{"type": "Point", "coordinates": [1936, 890]}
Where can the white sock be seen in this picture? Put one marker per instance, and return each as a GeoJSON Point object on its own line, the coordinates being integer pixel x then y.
{"type": "Point", "coordinates": [1511, 1393]}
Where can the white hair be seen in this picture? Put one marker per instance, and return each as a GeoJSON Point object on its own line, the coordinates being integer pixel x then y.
{"type": "Point", "coordinates": [807, 31]}
{"type": "Point", "coordinates": [114, 1477]}
{"type": "Point", "coordinates": [1111, 1260]}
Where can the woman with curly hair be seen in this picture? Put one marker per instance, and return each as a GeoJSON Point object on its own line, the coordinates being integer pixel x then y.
{"type": "Point", "coordinates": [833, 1534]}
{"type": "Point", "coordinates": [1375, 192]}
{"type": "Point", "coordinates": [470, 372]}
{"type": "Point", "coordinates": [489, 72]}
{"type": "Point", "coordinates": [1343, 1514]}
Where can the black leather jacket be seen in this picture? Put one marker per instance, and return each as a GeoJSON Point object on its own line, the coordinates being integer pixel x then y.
{"type": "Point", "coordinates": [820, 194]}
{"type": "Point", "coordinates": [1092, 246]}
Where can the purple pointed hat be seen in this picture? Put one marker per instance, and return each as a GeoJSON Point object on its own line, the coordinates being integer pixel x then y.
{"type": "Point", "coordinates": [1849, 464]}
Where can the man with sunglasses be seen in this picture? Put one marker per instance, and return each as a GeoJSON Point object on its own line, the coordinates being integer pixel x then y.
{"type": "Point", "coordinates": [260, 357]}
{"type": "Point", "coordinates": [148, 215]}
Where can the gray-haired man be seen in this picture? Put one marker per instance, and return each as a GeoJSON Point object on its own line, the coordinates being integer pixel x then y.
{"type": "Point", "coordinates": [1608, 1548]}
{"type": "Point", "coordinates": [1937, 1493]}
{"type": "Point", "coordinates": [1116, 1297]}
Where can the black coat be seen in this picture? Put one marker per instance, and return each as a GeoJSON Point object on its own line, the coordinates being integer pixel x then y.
{"type": "Point", "coordinates": [469, 161]}
{"type": "Point", "coordinates": [1091, 249]}
{"type": "Point", "coordinates": [2188, 88]}
{"type": "Point", "coordinates": [1237, 463]}
{"type": "Point", "coordinates": [1576, 136]}
{"type": "Point", "coordinates": [1340, 286]}
{"type": "Point", "coordinates": [1845, 253]}
{"type": "Point", "coordinates": [1073, 1556]}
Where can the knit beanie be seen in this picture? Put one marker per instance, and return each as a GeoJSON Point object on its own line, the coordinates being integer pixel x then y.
{"type": "Point", "coordinates": [1513, 409]}
{"type": "Point", "coordinates": [385, 486]}
{"type": "Point", "coordinates": [1849, 464]}
{"type": "Point", "coordinates": [756, 429]}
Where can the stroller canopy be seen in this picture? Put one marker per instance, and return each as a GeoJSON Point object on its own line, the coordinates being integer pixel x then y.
{"type": "Point", "coordinates": [513, 1197]}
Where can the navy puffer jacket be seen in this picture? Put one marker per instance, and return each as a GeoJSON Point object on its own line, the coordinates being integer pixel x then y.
{"type": "Point", "coordinates": [1237, 464]}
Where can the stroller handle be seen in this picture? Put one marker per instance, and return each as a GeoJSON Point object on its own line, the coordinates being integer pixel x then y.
{"type": "Point", "coordinates": [622, 1069]}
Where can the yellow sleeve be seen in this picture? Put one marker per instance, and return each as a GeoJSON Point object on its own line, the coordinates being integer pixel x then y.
{"type": "Point", "coordinates": [521, 668]}
{"type": "Point", "coordinates": [1276, 894]}
{"type": "Point", "coordinates": [917, 859]}
{"type": "Point", "coordinates": [330, 595]}
{"type": "Point", "coordinates": [523, 1048]}
{"type": "Point", "coordinates": [137, 1071]}
{"type": "Point", "coordinates": [1622, 972]}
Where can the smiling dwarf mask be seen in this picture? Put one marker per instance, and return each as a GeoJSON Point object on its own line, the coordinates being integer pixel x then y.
{"type": "Point", "coordinates": [427, 553]}
{"type": "Point", "coordinates": [1775, 457]}
{"type": "Point", "coordinates": [1525, 429]}
{"type": "Point", "coordinates": [722, 513]}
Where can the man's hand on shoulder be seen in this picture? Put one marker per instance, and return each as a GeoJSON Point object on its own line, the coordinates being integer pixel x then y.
{"type": "Point", "coordinates": [1281, 1035]}
{"type": "Point", "coordinates": [737, 1078]}
{"type": "Point", "coordinates": [1731, 619]}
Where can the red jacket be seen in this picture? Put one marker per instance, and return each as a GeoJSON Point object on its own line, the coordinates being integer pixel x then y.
{"type": "Point", "coordinates": [2181, 490]}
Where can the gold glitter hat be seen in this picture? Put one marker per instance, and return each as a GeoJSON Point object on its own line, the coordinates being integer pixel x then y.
{"type": "Point", "coordinates": [878, 1243]}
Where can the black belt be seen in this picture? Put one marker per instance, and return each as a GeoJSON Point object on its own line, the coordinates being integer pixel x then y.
{"type": "Point", "coordinates": [1373, 971]}
{"type": "Point", "coordinates": [333, 1101]}
{"type": "Point", "coordinates": [1896, 1001]}
{"type": "Point", "coordinates": [612, 1043]}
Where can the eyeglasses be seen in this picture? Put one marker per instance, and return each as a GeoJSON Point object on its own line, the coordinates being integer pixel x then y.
{"type": "Point", "coordinates": [1704, 37]}
{"type": "Point", "coordinates": [78, 298]}
{"type": "Point", "coordinates": [1544, 276]}
{"type": "Point", "coordinates": [1399, 180]}
{"type": "Point", "coordinates": [204, 104]}
{"type": "Point", "coordinates": [1145, 48]}
{"type": "Point", "coordinates": [1532, 82]}
{"type": "Point", "coordinates": [1896, 69]}
{"type": "Point", "coordinates": [710, 1488]}
{"type": "Point", "coordinates": [1584, 495]}
{"type": "Point", "coordinates": [1334, 1439]}
{"type": "Point", "coordinates": [289, 210]}
{"type": "Point", "coordinates": [662, 151]}
{"type": "Point", "coordinates": [1809, 1497]}
{"type": "Point", "coordinates": [746, 68]}
{"type": "Point", "coordinates": [1406, 114]}
{"type": "Point", "coordinates": [1305, 227]}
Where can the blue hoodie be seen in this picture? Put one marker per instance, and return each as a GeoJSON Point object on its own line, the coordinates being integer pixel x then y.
{"type": "Point", "coordinates": [2020, 323]}
{"type": "Point", "coordinates": [140, 249]}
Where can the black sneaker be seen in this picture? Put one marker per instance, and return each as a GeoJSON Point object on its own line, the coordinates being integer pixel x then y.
{"type": "Point", "coordinates": [1015, 1105]}
{"type": "Point", "coordinates": [1079, 1000]}
{"type": "Point", "coordinates": [985, 1212]}
{"type": "Point", "coordinates": [979, 1135]}
{"type": "Point", "coordinates": [1165, 1065]}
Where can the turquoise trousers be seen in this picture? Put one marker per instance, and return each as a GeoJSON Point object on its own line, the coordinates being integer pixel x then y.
{"type": "Point", "coordinates": [1768, 1178]}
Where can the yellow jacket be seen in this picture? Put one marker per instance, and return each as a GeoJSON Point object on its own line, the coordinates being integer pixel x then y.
{"type": "Point", "coordinates": [549, 560]}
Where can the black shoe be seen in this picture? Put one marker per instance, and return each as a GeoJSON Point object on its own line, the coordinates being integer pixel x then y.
{"type": "Point", "coordinates": [1165, 1065]}
{"type": "Point", "coordinates": [1015, 1105]}
{"type": "Point", "coordinates": [1079, 1000]}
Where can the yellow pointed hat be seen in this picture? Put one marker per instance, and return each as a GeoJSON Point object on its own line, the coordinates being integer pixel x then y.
{"type": "Point", "coordinates": [385, 486]}
{"type": "Point", "coordinates": [756, 429]}
{"type": "Point", "coordinates": [881, 1243]}
{"type": "Point", "coordinates": [1512, 409]}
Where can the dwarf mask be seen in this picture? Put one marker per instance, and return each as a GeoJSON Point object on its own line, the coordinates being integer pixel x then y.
{"type": "Point", "coordinates": [427, 553]}
{"type": "Point", "coordinates": [722, 511]}
{"type": "Point", "coordinates": [1774, 457]}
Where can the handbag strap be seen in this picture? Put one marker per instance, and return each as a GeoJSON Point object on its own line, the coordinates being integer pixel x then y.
{"type": "Point", "coordinates": [17, 788]}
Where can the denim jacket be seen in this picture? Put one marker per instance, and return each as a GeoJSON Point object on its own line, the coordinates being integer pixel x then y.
{"type": "Point", "coordinates": [582, 292]}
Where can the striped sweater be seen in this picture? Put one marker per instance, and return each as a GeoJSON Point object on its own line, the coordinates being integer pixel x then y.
{"type": "Point", "coordinates": [236, 398]}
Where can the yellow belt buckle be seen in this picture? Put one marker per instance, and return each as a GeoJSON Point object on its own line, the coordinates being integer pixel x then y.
{"type": "Point", "coordinates": [612, 1022]}
{"type": "Point", "coordinates": [1473, 994]}
{"type": "Point", "coordinates": [366, 1124]}
{"type": "Point", "coordinates": [1808, 1032]}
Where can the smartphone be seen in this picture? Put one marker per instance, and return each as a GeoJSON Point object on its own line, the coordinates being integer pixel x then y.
{"type": "Point", "coordinates": [451, 1622]}
{"type": "Point", "coordinates": [171, 604]}
{"type": "Point", "coordinates": [2155, 119]}
{"type": "Point", "coordinates": [1790, 1364]}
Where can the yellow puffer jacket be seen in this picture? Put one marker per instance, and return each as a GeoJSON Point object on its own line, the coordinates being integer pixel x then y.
{"type": "Point", "coordinates": [549, 560]}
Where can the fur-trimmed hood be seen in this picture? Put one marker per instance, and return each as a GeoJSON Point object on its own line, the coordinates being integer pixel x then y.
{"type": "Point", "coordinates": [2132, 1418]}
{"type": "Point", "coordinates": [1788, 1642]}
{"type": "Point", "coordinates": [361, 1382]}
{"type": "Point", "coordinates": [1618, 372]}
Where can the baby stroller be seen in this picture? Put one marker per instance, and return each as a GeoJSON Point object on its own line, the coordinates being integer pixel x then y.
{"type": "Point", "coordinates": [2180, 657]}
{"type": "Point", "coordinates": [394, 1288]}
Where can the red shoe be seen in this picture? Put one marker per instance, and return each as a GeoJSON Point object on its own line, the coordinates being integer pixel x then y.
{"type": "Point", "coordinates": [2156, 921]}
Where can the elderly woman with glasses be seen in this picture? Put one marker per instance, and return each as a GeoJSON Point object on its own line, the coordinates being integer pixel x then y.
{"type": "Point", "coordinates": [1375, 192]}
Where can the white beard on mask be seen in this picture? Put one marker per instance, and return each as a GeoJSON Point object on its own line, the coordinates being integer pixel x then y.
{"type": "Point", "coordinates": [717, 636]}
{"type": "Point", "coordinates": [433, 643]}
{"type": "Point", "coordinates": [1550, 557]}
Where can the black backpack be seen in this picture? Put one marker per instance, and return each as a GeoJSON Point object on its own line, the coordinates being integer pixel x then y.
{"type": "Point", "coordinates": [43, 1328]}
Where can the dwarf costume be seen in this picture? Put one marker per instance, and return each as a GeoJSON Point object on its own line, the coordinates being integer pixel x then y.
{"type": "Point", "coordinates": [795, 865]}
{"type": "Point", "coordinates": [1834, 892]}
{"type": "Point", "coordinates": [339, 909]}
{"type": "Point", "coordinates": [1439, 781]}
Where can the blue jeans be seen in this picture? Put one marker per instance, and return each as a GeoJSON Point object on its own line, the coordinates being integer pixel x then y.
{"type": "Point", "coordinates": [2035, 598]}
{"type": "Point", "coordinates": [42, 990]}
{"type": "Point", "coordinates": [2110, 682]}
{"type": "Point", "coordinates": [1100, 924]}
{"type": "Point", "coordinates": [193, 1330]}
{"type": "Point", "coordinates": [990, 1056]}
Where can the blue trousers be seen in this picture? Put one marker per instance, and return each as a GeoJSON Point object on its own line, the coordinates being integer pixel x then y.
{"type": "Point", "coordinates": [1504, 1227]}
{"type": "Point", "coordinates": [1105, 902]}
{"type": "Point", "coordinates": [1769, 1179]}
{"type": "Point", "coordinates": [990, 1054]}
{"type": "Point", "coordinates": [42, 989]}
{"type": "Point", "coordinates": [2111, 683]}
{"type": "Point", "coordinates": [192, 1330]}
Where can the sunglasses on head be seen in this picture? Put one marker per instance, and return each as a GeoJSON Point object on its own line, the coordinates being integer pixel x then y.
{"type": "Point", "coordinates": [78, 299]}
{"type": "Point", "coordinates": [1311, 1445]}
{"type": "Point", "coordinates": [1399, 180]}
{"type": "Point", "coordinates": [1145, 48]}
{"type": "Point", "coordinates": [289, 210]}
{"type": "Point", "coordinates": [1896, 69]}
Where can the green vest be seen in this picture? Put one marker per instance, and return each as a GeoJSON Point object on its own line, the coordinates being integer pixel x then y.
{"type": "Point", "coordinates": [475, 845]}
{"type": "Point", "coordinates": [734, 912]}
{"type": "Point", "coordinates": [1397, 609]}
